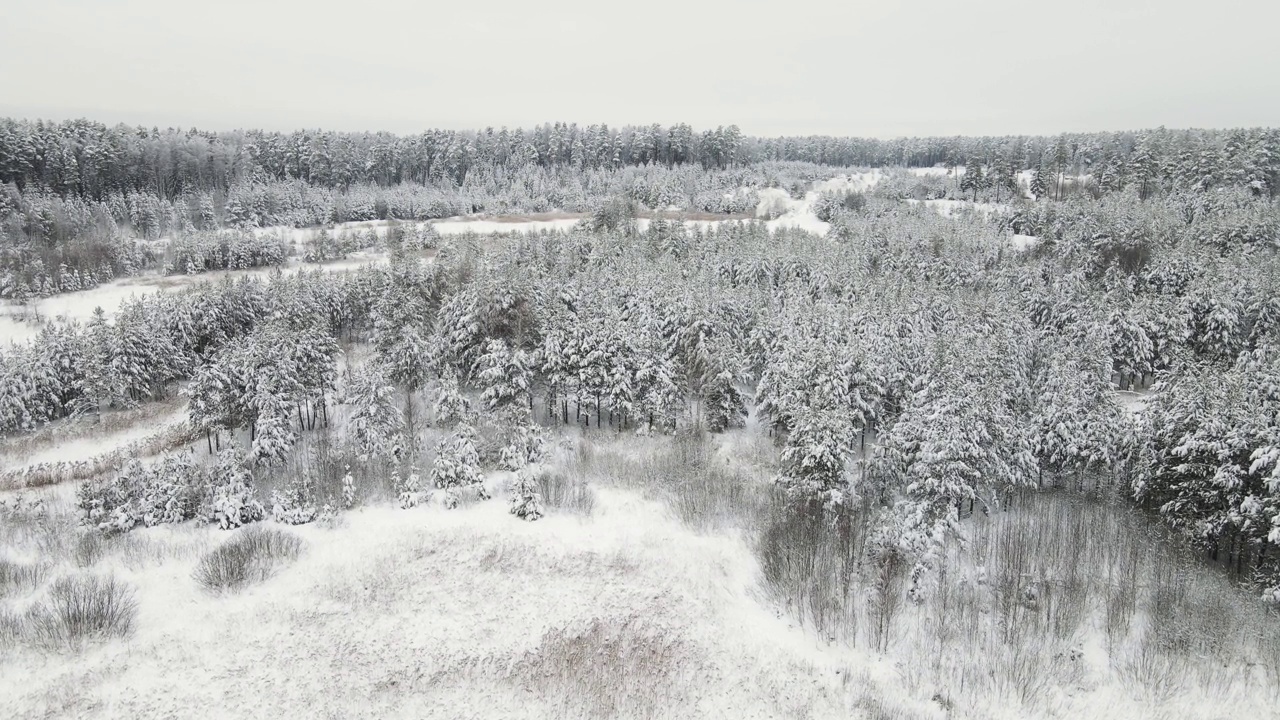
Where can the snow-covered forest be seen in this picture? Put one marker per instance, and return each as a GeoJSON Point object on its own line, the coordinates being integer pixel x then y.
{"type": "Point", "coordinates": [938, 427]}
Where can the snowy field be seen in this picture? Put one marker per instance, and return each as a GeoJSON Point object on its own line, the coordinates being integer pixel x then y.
{"type": "Point", "coordinates": [462, 614]}
{"type": "Point", "coordinates": [628, 608]}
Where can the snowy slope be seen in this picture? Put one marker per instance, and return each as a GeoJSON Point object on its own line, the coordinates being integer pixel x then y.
{"type": "Point", "coordinates": [461, 614]}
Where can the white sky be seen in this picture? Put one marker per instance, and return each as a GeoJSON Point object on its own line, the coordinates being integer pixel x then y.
{"type": "Point", "coordinates": [884, 69]}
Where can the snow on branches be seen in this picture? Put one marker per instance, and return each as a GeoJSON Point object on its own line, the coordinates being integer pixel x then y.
{"type": "Point", "coordinates": [457, 465]}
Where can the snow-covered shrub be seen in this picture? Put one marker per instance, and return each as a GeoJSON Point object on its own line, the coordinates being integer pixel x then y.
{"type": "Point", "coordinates": [524, 444]}
{"type": "Point", "coordinates": [168, 491]}
{"type": "Point", "coordinates": [251, 555]}
{"type": "Point", "coordinates": [325, 247]}
{"type": "Point", "coordinates": [830, 204]}
{"type": "Point", "coordinates": [16, 576]}
{"type": "Point", "coordinates": [562, 491]}
{"type": "Point", "coordinates": [328, 516]}
{"type": "Point", "coordinates": [615, 214]}
{"type": "Point", "coordinates": [509, 439]}
{"type": "Point", "coordinates": [348, 490]}
{"type": "Point", "coordinates": [457, 466]}
{"type": "Point", "coordinates": [898, 185]}
{"type": "Point", "coordinates": [422, 238]}
{"type": "Point", "coordinates": [296, 504]}
{"type": "Point", "coordinates": [23, 508]}
{"type": "Point", "coordinates": [231, 500]}
{"type": "Point", "coordinates": [409, 490]}
{"type": "Point", "coordinates": [526, 496]}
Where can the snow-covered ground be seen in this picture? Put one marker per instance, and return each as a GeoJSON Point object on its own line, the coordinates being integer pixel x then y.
{"type": "Point", "coordinates": [1024, 242]}
{"type": "Point", "coordinates": [76, 440]}
{"type": "Point", "coordinates": [1134, 401]}
{"type": "Point", "coordinates": [21, 323]}
{"type": "Point", "coordinates": [938, 171]}
{"type": "Point", "coordinates": [471, 613]}
{"type": "Point", "coordinates": [468, 613]}
{"type": "Point", "coordinates": [792, 213]}
{"type": "Point", "coordinates": [949, 208]}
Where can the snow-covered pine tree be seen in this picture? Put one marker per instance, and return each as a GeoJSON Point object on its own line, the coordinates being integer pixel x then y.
{"type": "Point", "coordinates": [526, 496]}
{"type": "Point", "coordinates": [724, 406]}
{"type": "Point", "coordinates": [813, 458]}
{"type": "Point", "coordinates": [375, 420]}
{"type": "Point", "coordinates": [973, 177]}
{"type": "Point", "coordinates": [231, 500]}
{"type": "Point", "coordinates": [449, 404]}
{"type": "Point", "coordinates": [457, 466]}
{"type": "Point", "coordinates": [506, 376]}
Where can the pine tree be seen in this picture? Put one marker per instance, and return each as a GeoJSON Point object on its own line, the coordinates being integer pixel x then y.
{"type": "Point", "coordinates": [813, 458]}
{"type": "Point", "coordinates": [457, 465]}
{"type": "Point", "coordinates": [375, 420]}
{"type": "Point", "coordinates": [723, 404]}
{"type": "Point", "coordinates": [973, 178]}
{"type": "Point", "coordinates": [526, 496]}
{"type": "Point", "coordinates": [1060, 157]}
{"type": "Point", "coordinates": [506, 376]}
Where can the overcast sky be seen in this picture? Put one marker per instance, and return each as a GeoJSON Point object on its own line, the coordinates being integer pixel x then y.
{"type": "Point", "coordinates": [851, 68]}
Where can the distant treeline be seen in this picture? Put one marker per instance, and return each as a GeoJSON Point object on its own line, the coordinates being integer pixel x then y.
{"type": "Point", "coordinates": [90, 159]}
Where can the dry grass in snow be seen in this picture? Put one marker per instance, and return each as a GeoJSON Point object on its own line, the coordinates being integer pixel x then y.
{"type": "Point", "coordinates": [624, 612]}
{"type": "Point", "coordinates": [668, 580]}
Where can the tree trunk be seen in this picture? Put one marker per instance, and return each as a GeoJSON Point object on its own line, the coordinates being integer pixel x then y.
{"type": "Point", "coordinates": [209, 441]}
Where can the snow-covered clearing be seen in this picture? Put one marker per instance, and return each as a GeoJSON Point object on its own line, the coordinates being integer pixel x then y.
{"type": "Point", "coordinates": [468, 613]}
{"type": "Point", "coordinates": [788, 212]}
{"type": "Point", "coordinates": [938, 171]}
{"type": "Point", "coordinates": [22, 323]}
{"type": "Point", "coordinates": [1024, 242]}
{"type": "Point", "coordinates": [78, 439]}
{"type": "Point", "coordinates": [1134, 401]}
{"type": "Point", "coordinates": [950, 208]}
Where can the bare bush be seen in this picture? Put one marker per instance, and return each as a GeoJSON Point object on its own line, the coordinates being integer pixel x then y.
{"type": "Point", "coordinates": [15, 577]}
{"type": "Point", "coordinates": [811, 559]}
{"type": "Point", "coordinates": [560, 491]}
{"type": "Point", "coordinates": [88, 548]}
{"type": "Point", "coordinates": [81, 609]}
{"type": "Point", "coordinates": [253, 555]}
